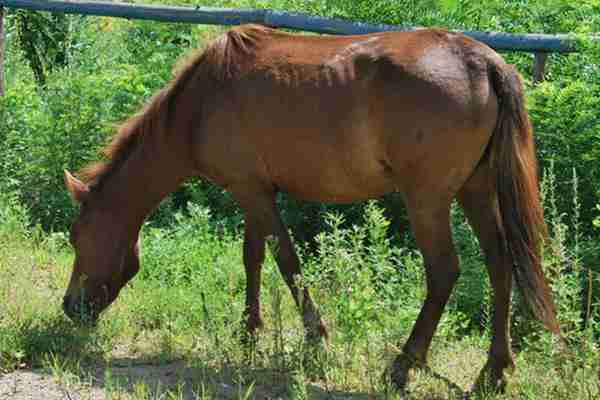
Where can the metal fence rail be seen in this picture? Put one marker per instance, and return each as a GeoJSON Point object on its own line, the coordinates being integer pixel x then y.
{"type": "Point", "coordinates": [539, 44]}
{"type": "Point", "coordinates": [534, 43]}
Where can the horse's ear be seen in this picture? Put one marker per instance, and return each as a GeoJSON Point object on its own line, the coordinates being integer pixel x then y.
{"type": "Point", "coordinates": [78, 190]}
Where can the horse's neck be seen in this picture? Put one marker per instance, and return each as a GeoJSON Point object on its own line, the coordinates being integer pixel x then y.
{"type": "Point", "coordinates": [149, 175]}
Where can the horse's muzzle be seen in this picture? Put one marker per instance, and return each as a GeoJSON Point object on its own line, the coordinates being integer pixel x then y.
{"type": "Point", "coordinates": [79, 311]}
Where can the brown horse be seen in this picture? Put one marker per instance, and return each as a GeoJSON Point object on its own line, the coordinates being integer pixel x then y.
{"type": "Point", "coordinates": [430, 114]}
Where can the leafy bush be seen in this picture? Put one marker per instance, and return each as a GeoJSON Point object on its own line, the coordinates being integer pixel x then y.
{"type": "Point", "coordinates": [61, 128]}
{"type": "Point", "coordinates": [115, 65]}
{"type": "Point", "coordinates": [43, 38]}
{"type": "Point", "coordinates": [14, 218]}
{"type": "Point", "coordinates": [567, 128]}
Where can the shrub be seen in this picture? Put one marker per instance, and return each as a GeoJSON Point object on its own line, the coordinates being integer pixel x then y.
{"type": "Point", "coordinates": [61, 128]}
{"type": "Point", "coordinates": [567, 128]}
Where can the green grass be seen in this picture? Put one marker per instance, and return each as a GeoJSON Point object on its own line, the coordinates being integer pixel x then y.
{"type": "Point", "coordinates": [174, 331]}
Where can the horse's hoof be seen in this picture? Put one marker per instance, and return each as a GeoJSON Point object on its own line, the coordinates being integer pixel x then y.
{"type": "Point", "coordinates": [249, 331]}
{"type": "Point", "coordinates": [402, 371]}
{"type": "Point", "coordinates": [314, 361]}
{"type": "Point", "coordinates": [248, 340]}
{"type": "Point", "coordinates": [315, 328]}
{"type": "Point", "coordinates": [316, 349]}
{"type": "Point", "coordinates": [492, 378]}
{"type": "Point", "coordinates": [317, 337]}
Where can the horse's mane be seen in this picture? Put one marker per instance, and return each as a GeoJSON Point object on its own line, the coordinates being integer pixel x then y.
{"type": "Point", "coordinates": [221, 62]}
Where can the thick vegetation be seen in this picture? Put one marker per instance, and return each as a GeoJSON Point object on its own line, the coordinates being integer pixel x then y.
{"type": "Point", "coordinates": [76, 77]}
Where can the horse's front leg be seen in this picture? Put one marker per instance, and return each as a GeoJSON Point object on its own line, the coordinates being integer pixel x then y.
{"type": "Point", "coordinates": [263, 221]}
{"type": "Point", "coordinates": [254, 256]}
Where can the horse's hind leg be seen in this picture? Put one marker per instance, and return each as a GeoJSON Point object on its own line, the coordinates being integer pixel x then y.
{"type": "Point", "coordinates": [431, 226]}
{"type": "Point", "coordinates": [479, 203]}
{"type": "Point", "coordinates": [263, 221]}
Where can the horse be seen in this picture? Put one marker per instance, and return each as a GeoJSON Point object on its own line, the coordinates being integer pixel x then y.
{"type": "Point", "coordinates": [430, 114]}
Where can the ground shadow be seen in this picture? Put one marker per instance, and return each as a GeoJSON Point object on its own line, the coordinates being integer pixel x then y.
{"type": "Point", "coordinates": [225, 382]}
{"type": "Point", "coordinates": [153, 378]}
{"type": "Point", "coordinates": [189, 378]}
{"type": "Point", "coordinates": [451, 385]}
{"type": "Point", "coordinates": [57, 337]}
{"type": "Point", "coordinates": [193, 381]}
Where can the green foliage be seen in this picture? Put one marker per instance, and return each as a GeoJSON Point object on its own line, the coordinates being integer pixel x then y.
{"type": "Point", "coordinates": [187, 301]}
{"type": "Point", "coordinates": [115, 65]}
{"type": "Point", "coordinates": [62, 127]}
{"type": "Point", "coordinates": [15, 221]}
{"type": "Point", "coordinates": [471, 302]}
{"type": "Point", "coordinates": [44, 41]}
{"type": "Point", "coordinates": [567, 128]}
{"type": "Point", "coordinates": [58, 129]}
{"type": "Point", "coordinates": [371, 278]}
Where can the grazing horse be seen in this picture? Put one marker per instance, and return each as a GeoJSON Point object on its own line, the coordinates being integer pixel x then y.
{"type": "Point", "coordinates": [430, 114]}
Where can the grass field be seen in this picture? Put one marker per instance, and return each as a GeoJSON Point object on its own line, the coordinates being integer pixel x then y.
{"type": "Point", "coordinates": [173, 333]}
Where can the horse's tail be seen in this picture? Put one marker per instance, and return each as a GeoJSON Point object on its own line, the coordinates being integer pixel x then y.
{"type": "Point", "coordinates": [514, 164]}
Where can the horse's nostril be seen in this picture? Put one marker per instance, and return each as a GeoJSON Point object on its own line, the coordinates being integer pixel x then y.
{"type": "Point", "coordinates": [71, 309]}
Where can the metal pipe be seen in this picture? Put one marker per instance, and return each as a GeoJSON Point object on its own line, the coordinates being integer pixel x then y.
{"type": "Point", "coordinates": [535, 43]}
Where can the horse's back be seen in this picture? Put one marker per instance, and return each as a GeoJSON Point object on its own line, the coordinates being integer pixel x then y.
{"type": "Point", "coordinates": [348, 118]}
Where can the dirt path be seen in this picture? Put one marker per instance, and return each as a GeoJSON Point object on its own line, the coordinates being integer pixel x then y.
{"type": "Point", "coordinates": [128, 379]}
{"type": "Point", "coordinates": [37, 385]}
{"type": "Point", "coordinates": [120, 379]}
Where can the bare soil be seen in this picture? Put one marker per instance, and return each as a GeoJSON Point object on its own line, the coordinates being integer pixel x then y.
{"type": "Point", "coordinates": [37, 385]}
{"type": "Point", "coordinates": [119, 380]}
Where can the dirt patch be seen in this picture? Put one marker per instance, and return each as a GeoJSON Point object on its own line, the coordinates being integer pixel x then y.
{"type": "Point", "coordinates": [124, 378]}
{"type": "Point", "coordinates": [37, 385]}
{"type": "Point", "coordinates": [132, 379]}
{"type": "Point", "coordinates": [127, 378]}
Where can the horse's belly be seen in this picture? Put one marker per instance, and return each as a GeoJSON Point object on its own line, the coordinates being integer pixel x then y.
{"type": "Point", "coordinates": [334, 181]}
{"type": "Point", "coordinates": [332, 193]}
{"type": "Point", "coordinates": [340, 165]}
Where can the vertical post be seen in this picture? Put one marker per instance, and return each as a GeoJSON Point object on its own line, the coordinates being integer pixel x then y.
{"type": "Point", "coordinates": [2, 46]}
{"type": "Point", "coordinates": [539, 69]}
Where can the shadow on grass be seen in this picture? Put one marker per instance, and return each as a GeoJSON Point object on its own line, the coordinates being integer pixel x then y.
{"type": "Point", "coordinates": [32, 341]}
{"type": "Point", "coordinates": [229, 381]}
{"type": "Point", "coordinates": [189, 382]}
{"type": "Point", "coordinates": [451, 385]}
{"type": "Point", "coordinates": [49, 339]}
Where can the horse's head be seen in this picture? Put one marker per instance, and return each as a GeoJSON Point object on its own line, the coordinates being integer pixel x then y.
{"type": "Point", "coordinates": [106, 257]}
